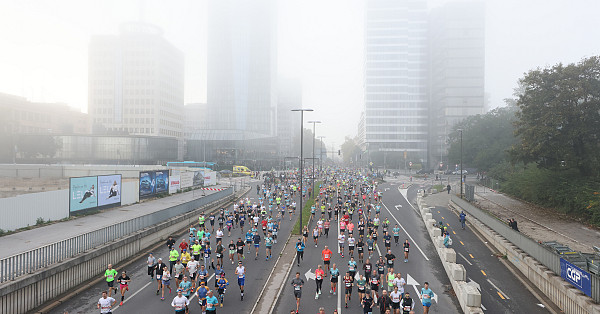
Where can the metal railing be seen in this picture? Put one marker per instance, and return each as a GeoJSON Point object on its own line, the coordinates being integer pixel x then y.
{"type": "Point", "coordinates": [540, 253]}
{"type": "Point", "coordinates": [28, 262]}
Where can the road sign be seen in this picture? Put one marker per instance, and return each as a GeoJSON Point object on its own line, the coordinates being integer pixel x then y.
{"type": "Point", "coordinates": [410, 163]}
{"type": "Point", "coordinates": [371, 163]}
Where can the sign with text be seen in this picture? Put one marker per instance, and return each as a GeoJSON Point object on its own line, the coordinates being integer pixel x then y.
{"type": "Point", "coordinates": [186, 179]}
{"type": "Point", "coordinates": [576, 276]}
{"type": "Point", "coordinates": [109, 190]}
{"type": "Point", "coordinates": [162, 181]}
{"type": "Point", "coordinates": [174, 184]}
{"type": "Point", "coordinates": [82, 193]}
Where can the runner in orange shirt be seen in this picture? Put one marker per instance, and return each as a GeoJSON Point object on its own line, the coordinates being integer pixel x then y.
{"type": "Point", "coordinates": [326, 254]}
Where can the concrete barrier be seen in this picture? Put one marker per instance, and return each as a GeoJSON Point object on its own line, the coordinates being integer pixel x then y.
{"type": "Point", "coordinates": [37, 289]}
{"type": "Point", "coordinates": [468, 297]}
{"type": "Point", "coordinates": [565, 296]}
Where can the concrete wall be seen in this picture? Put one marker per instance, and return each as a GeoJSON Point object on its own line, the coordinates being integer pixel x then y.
{"type": "Point", "coordinates": [468, 296]}
{"type": "Point", "coordinates": [34, 290]}
{"type": "Point", "coordinates": [23, 210]}
{"type": "Point", "coordinates": [67, 171]}
{"type": "Point", "coordinates": [564, 295]}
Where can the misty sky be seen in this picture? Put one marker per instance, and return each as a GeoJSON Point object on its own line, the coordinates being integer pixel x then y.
{"type": "Point", "coordinates": [43, 47]}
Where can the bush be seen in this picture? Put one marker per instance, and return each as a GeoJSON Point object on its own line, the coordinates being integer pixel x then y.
{"type": "Point", "coordinates": [40, 221]}
{"type": "Point", "coordinates": [566, 191]}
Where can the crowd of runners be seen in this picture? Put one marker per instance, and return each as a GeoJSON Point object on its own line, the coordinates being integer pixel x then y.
{"type": "Point", "coordinates": [351, 202]}
{"type": "Point", "coordinates": [348, 200]}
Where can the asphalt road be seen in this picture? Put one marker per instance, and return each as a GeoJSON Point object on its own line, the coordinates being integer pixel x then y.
{"type": "Point", "coordinates": [142, 297]}
{"type": "Point", "coordinates": [424, 264]}
{"type": "Point", "coordinates": [501, 292]}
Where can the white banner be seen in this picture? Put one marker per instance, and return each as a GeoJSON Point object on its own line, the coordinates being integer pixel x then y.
{"type": "Point", "coordinates": [210, 178]}
{"type": "Point", "coordinates": [187, 179]}
{"type": "Point", "coordinates": [174, 184]}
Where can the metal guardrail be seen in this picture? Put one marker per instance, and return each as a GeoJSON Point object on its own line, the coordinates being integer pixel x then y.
{"type": "Point", "coordinates": [28, 262]}
{"type": "Point", "coordinates": [540, 253]}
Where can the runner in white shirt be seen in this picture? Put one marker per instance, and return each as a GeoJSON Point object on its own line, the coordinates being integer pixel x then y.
{"type": "Point", "coordinates": [396, 297]}
{"type": "Point", "coordinates": [341, 241]}
{"type": "Point", "coordinates": [240, 271]}
{"type": "Point", "coordinates": [106, 303]}
{"type": "Point", "coordinates": [351, 244]}
{"type": "Point", "coordinates": [180, 302]}
{"type": "Point", "coordinates": [192, 267]}
{"type": "Point", "coordinates": [320, 226]}
{"type": "Point", "coordinates": [400, 283]}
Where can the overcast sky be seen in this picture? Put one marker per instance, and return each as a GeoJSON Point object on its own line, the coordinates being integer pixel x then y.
{"type": "Point", "coordinates": [43, 46]}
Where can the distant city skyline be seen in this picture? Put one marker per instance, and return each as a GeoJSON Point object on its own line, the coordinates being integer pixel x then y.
{"type": "Point", "coordinates": [44, 47]}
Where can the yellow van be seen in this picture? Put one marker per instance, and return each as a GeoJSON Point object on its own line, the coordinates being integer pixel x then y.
{"type": "Point", "coordinates": [242, 170]}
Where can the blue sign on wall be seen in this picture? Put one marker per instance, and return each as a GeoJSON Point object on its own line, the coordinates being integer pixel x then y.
{"type": "Point", "coordinates": [576, 276]}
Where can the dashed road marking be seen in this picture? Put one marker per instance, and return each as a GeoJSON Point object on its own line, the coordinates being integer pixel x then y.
{"type": "Point", "coordinates": [453, 232]}
{"type": "Point", "coordinates": [483, 273]}
{"type": "Point", "coordinates": [471, 255]}
{"type": "Point", "coordinates": [499, 291]}
{"type": "Point", "coordinates": [461, 242]}
{"type": "Point", "coordinates": [501, 296]}
{"type": "Point", "coordinates": [466, 260]}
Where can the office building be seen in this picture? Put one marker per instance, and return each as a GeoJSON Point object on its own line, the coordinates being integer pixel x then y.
{"type": "Point", "coordinates": [242, 66]}
{"type": "Point", "coordinates": [136, 83]}
{"type": "Point", "coordinates": [288, 122]}
{"type": "Point", "coordinates": [457, 40]}
{"type": "Point", "coordinates": [21, 116]}
{"type": "Point", "coordinates": [396, 85]}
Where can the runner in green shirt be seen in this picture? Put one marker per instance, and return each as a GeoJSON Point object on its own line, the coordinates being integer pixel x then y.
{"type": "Point", "coordinates": [173, 257]}
{"type": "Point", "coordinates": [110, 274]}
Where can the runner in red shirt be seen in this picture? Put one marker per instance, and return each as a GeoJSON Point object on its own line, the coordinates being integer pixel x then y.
{"type": "Point", "coordinates": [183, 245]}
{"type": "Point", "coordinates": [326, 254]}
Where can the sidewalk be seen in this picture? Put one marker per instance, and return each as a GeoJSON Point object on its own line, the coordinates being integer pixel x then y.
{"type": "Point", "coordinates": [30, 239]}
{"type": "Point", "coordinates": [538, 223]}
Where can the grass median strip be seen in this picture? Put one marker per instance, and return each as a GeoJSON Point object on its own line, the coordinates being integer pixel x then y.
{"type": "Point", "coordinates": [305, 212]}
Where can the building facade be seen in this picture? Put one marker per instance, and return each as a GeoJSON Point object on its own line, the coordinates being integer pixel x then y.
{"type": "Point", "coordinates": [242, 66]}
{"type": "Point", "coordinates": [288, 122]}
{"type": "Point", "coordinates": [20, 116]}
{"type": "Point", "coordinates": [396, 90]}
{"type": "Point", "coordinates": [457, 40]}
{"type": "Point", "coordinates": [136, 83]}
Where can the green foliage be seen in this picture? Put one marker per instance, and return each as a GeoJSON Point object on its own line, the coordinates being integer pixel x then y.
{"type": "Point", "coordinates": [565, 191]}
{"type": "Point", "coordinates": [486, 139]}
{"type": "Point", "coordinates": [559, 117]}
{"type": "Point", "coordinates": [39, 221]}
{"type": "Point", "coordinates": [349, 150]}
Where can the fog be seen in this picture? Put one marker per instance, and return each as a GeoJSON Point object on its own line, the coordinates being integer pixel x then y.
{"type": "Point", "coordinates": [44, 47]}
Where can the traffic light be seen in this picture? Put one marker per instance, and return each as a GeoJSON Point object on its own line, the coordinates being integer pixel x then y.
{"type": "Point", "coordinates": [339, 152]}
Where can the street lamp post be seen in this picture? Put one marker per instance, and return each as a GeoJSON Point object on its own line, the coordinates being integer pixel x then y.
{"type": "Point", "coordinates": [321, 153]}
{"type": "Point", "coordinates": [313, 154]}
{"type": "Point", "coordinates": [461, 163]}
{"type": "Point", "coordinates": [300, 159]}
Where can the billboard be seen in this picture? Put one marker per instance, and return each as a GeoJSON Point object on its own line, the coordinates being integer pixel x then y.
{"type": "Point", "coordinates": [82, 193]}
{"type": "Point", "coordinates": [186, 179]}
{"type": "Point", "coordinates": [162, 181]}
{"type": "Point", "coordinates": [109, 190]}
{"type": "Point", "coordinates": [174, 184]}
{"type": "Point", "coordinates": [198, 178]}
{"type": "Point", "coordinates": [147, 183]}
{"type": "Point", "coordinates": [576, 276]}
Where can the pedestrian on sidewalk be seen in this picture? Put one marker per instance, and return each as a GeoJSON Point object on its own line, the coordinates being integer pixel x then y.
{"type": "Point", "coordinates": [448, 188]}
{"type": "Point", "coordinates": [463, 218]}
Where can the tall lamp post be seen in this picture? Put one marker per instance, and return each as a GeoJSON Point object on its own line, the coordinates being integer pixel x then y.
{"type": "Point", "coordinates": [313, 154]}
{"type": "Point", "coordinates": [300, 159]}
{"type": "Point", "coordinates": [461, 163]}
{"type": "Point", "coordinates": [321, 153]}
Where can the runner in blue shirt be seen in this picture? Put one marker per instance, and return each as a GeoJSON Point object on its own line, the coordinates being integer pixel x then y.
{"type": "Point", "coordinates": [249, 237]}
{"type": "Point", "coordinates": [268, 245]}
{"type": "Point", "coordinates": [223, 283]}
{"type": "Point", "coordinates": [299, 250]}
{"type": "Point", "coordinates": [396, 232]}
{"type": "Point", "coordinates": [256, 240]}
{"type": "Point", "coordinates": [426, 295]}
{"type": "Point", "coordinates": [201, 292]}
{"type": "Point", "coordinates": [211, 303]}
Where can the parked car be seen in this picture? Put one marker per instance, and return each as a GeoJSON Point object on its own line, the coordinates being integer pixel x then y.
{"type": "Point", "coordinates": [425, 171]}
{"type": "Point", "coordinates": [458, 172]}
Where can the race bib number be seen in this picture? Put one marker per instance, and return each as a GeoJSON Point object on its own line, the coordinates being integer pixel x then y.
{"type": "Point", "coordinates": [407, 308]}
{"type": "Point", "coordinates": [158, 277]}
{"type": "Point", "coordinates": [297, 288]}
{"type": "Point", "coordinates": [405, 249]}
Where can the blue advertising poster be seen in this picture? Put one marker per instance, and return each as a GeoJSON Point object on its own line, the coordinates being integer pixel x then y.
{"type": "Point", "coordinates": [82, 193]}
{"type": "Point", "coordinates": [162, 181]}
{"type": "Point", "coordinates": [147, 183]}
{"type": "Point", "coordinates": [576, 276]}
{"type": "Point", "coordinates": [109, 190]}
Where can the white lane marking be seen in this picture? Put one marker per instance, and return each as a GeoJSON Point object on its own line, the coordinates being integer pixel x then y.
{"type": "Point", "coordinates": [493, 285]}
{"type": "Point", "coordinates": [194, 294]}
{"type": "Point", "coordinates": [132, 295]}
{"type": "Point", "coordinates": [404, 193]}
{"type": "Point", "coordinates": [398, 207]}
{"type": "Point", "coordinates": [541, 305]}
{"type": "Point", "coordinates": [309, 275]}
{"type": "Point", "coordinates": [401, 226]}
{"type": "Point", "coordinates": [483, 308]}
{"type": "Point", "coordinates": [466, 260]}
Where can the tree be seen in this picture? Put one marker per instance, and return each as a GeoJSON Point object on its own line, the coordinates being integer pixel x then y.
{"type": "Point", "coordinates": [486, 139]}
{"type": "Point", "coordinates": [559, 117]}
{"type": "Point", "coordinates": [349, 149]}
